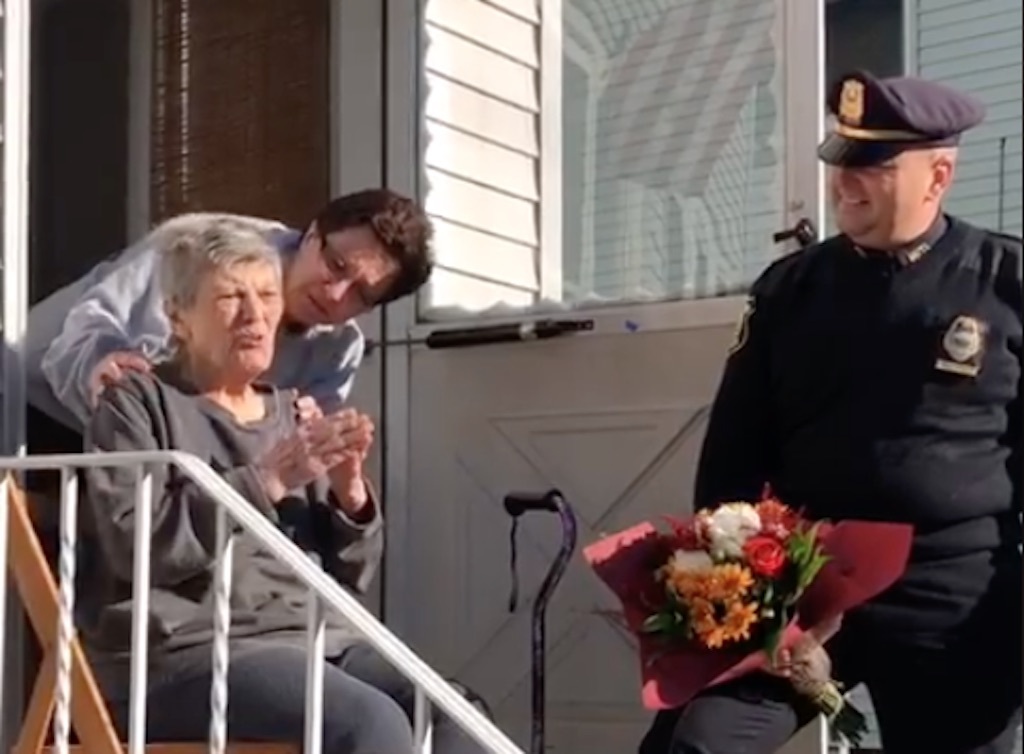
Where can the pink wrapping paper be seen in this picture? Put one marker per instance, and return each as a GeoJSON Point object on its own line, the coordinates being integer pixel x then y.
{"type": "Point", "coordinates": [865, 558]}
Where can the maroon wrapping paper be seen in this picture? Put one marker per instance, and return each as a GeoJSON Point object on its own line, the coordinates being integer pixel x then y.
{"type": "Point", "coordinates": [865, 558]}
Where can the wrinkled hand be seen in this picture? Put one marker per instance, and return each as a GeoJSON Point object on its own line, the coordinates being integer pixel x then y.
{"type": "Point", "coordinates": [807, 653]}
{"type": "Point", "coordinates": [307, 409]}
{"type": "Point", "coordinates": [810, 667]}
{"type": "Point", "coordinates": [112, 368]}
{"type": "Point", "coordinates": [310, 452]}
{"type": "Point", "coordinates": [356, 430]}
{"type": "Point", "coordinates": [346, 472]}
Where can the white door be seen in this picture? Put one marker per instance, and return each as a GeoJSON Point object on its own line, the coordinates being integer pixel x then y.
{"type": "Point", "coordinates": [620, 161]}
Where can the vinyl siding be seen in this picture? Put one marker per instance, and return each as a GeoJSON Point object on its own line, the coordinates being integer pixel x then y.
{"type": "Point", "coordinates": [976, 45]}
{"type": "Point", "coordinates": [481, 151]}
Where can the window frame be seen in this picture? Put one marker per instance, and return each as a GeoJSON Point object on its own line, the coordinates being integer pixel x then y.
{"type": "Point", "coordinates": [910, 10]}
{"type": "Point", "coordinates": [549, 265]}
{"type": "Point", "coordinates": [803, 177]}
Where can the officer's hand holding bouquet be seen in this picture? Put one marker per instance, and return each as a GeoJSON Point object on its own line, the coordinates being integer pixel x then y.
{"type": "Point", "coordinates": [747, 587]}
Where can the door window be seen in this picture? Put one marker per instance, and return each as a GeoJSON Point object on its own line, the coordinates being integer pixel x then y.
{"type": "Point", "coordinates": [612, 151]}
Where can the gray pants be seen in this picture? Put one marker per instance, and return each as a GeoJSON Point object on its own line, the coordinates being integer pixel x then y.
{"type": "Point", "coordinates": [368, 705]}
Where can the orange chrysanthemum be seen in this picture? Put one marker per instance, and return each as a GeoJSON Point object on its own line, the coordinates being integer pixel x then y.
{"type": "Point", "coordinates": [738, 621]}
{"type": "Point", "coordinates": [739, 618]}
{"type": "Point", "coordinates": [684, 585]}
{"type": "Point", "coordinates": [714, 601]}
{"type": "Point", "coordinates": [713, 638]}
{"type": "Point", "coordinates": [704, 623]}
{"type": "Point", "coordinates": [722, 583]}
{"type": "Point", "coordinates": [729, 582]}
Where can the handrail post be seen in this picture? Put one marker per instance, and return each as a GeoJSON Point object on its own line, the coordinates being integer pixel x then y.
{"type": "Point", "coordinates": [15, 80]}
{"type": "Point", "coordinates": [315, 636]}
{"type": "Point", "coordinates": [140, 616]}
{"type": "Point", "coordinates": [221, 633]}
{"type": "Point", "coordinates": [422, 723]}
{"type": "Point", "coordinates": [66, 617]}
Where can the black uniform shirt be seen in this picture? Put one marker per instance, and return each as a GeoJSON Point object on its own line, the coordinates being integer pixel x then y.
{"type": "Point", "coordinates": [875, 386]}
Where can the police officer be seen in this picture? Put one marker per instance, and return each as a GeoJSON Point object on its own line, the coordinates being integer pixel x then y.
{"type": "Point", "coordinates": [877, 375]}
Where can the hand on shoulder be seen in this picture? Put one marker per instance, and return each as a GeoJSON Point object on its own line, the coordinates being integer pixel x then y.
{"type": "Point", "coordinates": [112, 368]}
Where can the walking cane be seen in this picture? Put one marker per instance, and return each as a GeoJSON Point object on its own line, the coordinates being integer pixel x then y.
{"type": "Point", "coordinates": [516, 504]}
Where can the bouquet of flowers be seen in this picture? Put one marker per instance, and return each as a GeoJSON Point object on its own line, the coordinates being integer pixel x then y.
{"type": "Point", "coordinates": [720, 594]}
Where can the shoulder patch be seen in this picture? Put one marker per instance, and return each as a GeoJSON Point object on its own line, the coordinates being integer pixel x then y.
{"type": "Point", "coordinates": [742, 333]}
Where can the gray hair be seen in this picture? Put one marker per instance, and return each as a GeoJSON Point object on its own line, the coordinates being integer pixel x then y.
{"type": "Point", "coordinates": [191, 246]}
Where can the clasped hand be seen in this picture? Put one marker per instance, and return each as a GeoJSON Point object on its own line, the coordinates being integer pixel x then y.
{"type": "Point", "coordinates": [333, 445]}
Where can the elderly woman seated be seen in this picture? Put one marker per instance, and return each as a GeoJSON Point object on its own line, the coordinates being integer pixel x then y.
{"type": "Point", "coordinates": [222, 286]}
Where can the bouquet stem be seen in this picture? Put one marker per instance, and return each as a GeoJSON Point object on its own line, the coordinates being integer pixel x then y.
{"type": "Point", "coordinates": [844, 719]}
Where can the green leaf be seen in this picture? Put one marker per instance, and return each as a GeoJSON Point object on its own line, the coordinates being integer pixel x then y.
{"type": "Point", "coordinates": [775, 628]}
{"type": "Point", "coordinates": [771, 644]}
{"type": "Point", "coordinates": [673, 623]}
{"type": "Point", "coordinates": [851, 724]}
{"type": "Point", "coordinates": [659, 623]}
{"type": "Point", "coordinates": [808, 558]}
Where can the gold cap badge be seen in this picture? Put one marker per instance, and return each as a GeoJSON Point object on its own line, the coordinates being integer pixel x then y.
{"type": "Point", "coordinates": [851, 102]}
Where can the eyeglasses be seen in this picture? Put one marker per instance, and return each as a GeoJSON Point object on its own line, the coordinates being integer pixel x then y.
{"type": "Point", "coordinates": [342, 270]}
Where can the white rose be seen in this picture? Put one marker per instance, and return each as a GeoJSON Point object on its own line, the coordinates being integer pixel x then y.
{"type": "Point", "coordinates": [689, 561]}
{"type": "Point", "coordinates": [728, 528]}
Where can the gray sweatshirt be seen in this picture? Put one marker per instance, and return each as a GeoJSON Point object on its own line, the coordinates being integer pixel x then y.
{"type": "Point", "coordinates": [118, 306]}
{"type": "Point", "coordinates": [160, 412]}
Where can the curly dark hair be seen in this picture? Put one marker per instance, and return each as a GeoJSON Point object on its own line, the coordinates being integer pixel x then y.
{"type": "Point", "coordinates": [400, 224]}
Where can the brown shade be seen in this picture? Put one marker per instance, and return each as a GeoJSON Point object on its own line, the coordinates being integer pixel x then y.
{"type": "Point", "coordinates": [241, 107]}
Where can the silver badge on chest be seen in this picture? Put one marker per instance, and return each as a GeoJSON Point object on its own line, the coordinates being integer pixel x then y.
{"type": "Point", "coordinates": [962, 347]}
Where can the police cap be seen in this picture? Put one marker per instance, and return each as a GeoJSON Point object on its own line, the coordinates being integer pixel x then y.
{"type": "Point", "coordinates": [877, 119]}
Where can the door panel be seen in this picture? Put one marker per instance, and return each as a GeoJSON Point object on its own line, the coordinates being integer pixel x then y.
{"type": "Point", "coordinates": [683, 206]}
{"type": "Point", "coordinates": [617, 464]}
{"type": "Point", "coordinates": [615, 424]}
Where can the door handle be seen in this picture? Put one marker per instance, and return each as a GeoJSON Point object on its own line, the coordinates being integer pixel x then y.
{"type": "Point", "coordinates": [803, 232]}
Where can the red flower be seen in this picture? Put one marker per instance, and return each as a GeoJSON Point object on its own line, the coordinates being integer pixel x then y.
{"type": "Point", "coordinates": [684, 534]}
{"type": "Point", "coordinates": [777, 519]}
{"type": "Point", "coordinates": [765, 555]}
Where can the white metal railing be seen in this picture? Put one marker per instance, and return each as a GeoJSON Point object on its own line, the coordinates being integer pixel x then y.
{"type": "Point", "coordinates": [15, 83]}
{"type": "Point", "coordinates": [324, 592]}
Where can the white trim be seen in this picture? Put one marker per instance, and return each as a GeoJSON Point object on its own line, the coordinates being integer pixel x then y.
{"type": "Point", "coordinates": [140, 118]}
{"type": "Point", "coordinates": [355, 64]}
{"type": "Point", "coordinates": [550, 206]}
{"type": "Point", "coordinates": [15, 207]}
{"type": "Point", "coordinates": [15, 23]}
{"type": "Point", "coordinates": [580, 24]}
{"type": "Point", "coordinates": [803, 51]}
{"type": "Point", "coordinates": [581, 58]}
{"type": "Point", "coordinates": [403, 87]}
{"type": "Point", "coordinates": [356, 81]}
{"type": "Point", "coordinates": [911, 13]}
{"type": "Point", "coordinates": [356, 117]}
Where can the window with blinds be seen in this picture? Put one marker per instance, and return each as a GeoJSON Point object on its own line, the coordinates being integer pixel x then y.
{"type": "Point", "coordinates": [241, 108]}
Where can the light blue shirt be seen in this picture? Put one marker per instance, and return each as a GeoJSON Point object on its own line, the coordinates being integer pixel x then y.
{"type": "Point", "coordinates": [118, 306]}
